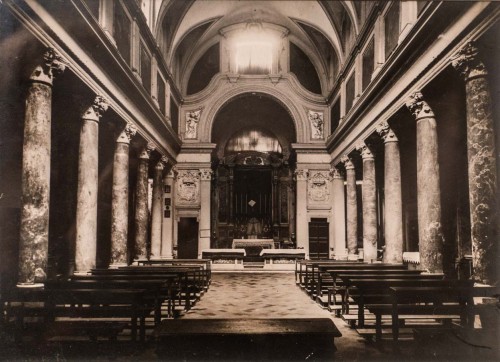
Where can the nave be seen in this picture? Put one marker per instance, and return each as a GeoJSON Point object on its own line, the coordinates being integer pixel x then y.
{"type": "Point", "coordinates": [252, 295]}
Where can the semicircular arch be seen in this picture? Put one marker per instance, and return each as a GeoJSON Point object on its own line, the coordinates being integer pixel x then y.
{"type": "Point", "coordinates": [298, 119]}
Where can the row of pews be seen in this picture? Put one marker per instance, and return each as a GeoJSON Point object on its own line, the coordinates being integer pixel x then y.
{"type": "Point", "coordinates": [379, 299]}
{"type": "Point", "coordinates": [106, 302]}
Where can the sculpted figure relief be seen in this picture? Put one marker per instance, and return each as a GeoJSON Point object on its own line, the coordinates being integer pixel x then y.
{"type": "Point", "coordinates": [192, 119]}
{"type": "Point", "coordinates": [317, 124]}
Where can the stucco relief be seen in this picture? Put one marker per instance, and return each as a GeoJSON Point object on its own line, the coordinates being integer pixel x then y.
{"type": "Point", "coordinates": [192, 120]}
{"type": "Point", "coordinates": [188, 186]}
{"type": "Point", "coordinates": [318, 186]}
{"type": "Point", "coordinates": [317, 125]}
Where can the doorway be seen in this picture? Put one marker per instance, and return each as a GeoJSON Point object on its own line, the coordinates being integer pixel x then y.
{"type": "Point", "coordinates": [187, 239]}
{"type": "Point", "coordinates": [318, 238]}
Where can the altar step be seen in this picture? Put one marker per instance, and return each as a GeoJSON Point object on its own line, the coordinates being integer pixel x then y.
{"type": "Point", "coordinates": [253, 265]}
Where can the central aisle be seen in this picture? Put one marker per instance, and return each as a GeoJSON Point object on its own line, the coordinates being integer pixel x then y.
{"type": "Point", "coordinates": [275, 295]}
{"type": "Point", "coordinates": [255, 295]}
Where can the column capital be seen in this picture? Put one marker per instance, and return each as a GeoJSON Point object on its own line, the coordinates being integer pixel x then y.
{"type": "Point", "coordinates": [347, 162]}
{"type": "Point", "coordinates": [302, 174]}
{"type": "Point", "coordinates": [418, 106]}
{"type": "Point", "coordinates": [146, 151]}
{"type": "Point", "coordinates": [96, 109]}
{"type": "Point", "coordinates": [162, 162]}
{"type": "Point", "coordinates": [468, 63]}
{"type": "Point", "coordinates": [366, 152]}
{"type": "Point", "coordinates": [336, 173]}
{"type": "Point", "coordinates": [52, 65]}
{"type": "Point", "coordinates": [385, 131]}
{"type": "Point", "coordinates": [206, 174]}
{"type": "Point", "coordinates": [127, 133]}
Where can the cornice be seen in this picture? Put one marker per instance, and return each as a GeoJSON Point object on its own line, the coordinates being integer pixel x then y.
{"type": "Point", "coordinates": [198, 147]}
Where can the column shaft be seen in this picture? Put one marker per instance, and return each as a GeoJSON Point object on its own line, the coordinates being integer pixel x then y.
{"type": "Point", "coordinates": [120, 196]}
{"type": "Point", "coordinates": [141, 205]}
{"type": "Point", "coordinates": [393, 206]}
{"type": "Point", "coordinates": [431, 239]}
{"type": "Point", "coordinates": [352, 208]}
{"type": "Point", "coordinates": [35, 182]}
{"type": "Point", "coordinates": [482, 170]}
{"type": "Point", "coordinates": [88, 179]}
{"type": "Point", "coordinates": [34, 236]}
{"type": "Point", "coordinates": [339, 236]}
{"type": "Point", "coordinates": [156, 209]}
{"type": "Point", "coordinates": [393, 220]}
{"type": "Point", "coordinates": [369, 200]}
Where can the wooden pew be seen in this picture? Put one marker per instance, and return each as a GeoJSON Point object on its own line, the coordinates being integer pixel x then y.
{"type": "Point", "coordinates": [318, 270]}
{"type": "Point", "coordinates": [439, 302]}
{"type": "Point", "coordinates": [85, 308]}
{"type": "Point", "coordinates": [196, 278]}
{"type": "Point", "coordinates": [159, 290]}
{"type": "Point", "coordinates": [206, 263]}
{"type": "Point", "coordinates": [376, 291]}
{"type": "Point", "coordinates": [301, 267]}
{"type": "Point", "coordinates": [339, 287]}
{"type": "Point", "coordinates": [185, 290]}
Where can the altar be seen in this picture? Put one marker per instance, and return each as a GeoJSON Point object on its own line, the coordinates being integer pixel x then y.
{"type": "Point", "coordinates": [263, 243]}
{"type": "Point", "coordinates": [253, 247]}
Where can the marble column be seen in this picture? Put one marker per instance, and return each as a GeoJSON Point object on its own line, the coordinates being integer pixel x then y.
{"type": "Point", "coordinates": [35, 183]}
{"type": "Point", "coordinates": [430, 234]}
{"type": "Point", "coordinates": [393, 205]}
{"type": "Point", "coordinates": [352, 208]}
{"type": "Point", "coordinates": [482, 170]}
{"type": "Point", "coordinates": [302, 232]}
{"type": "Point", "coordinates": [120, 195]}
{"type": "Point", "coordinates": [141, 219]}
{"type": "Point", "coordinates": [339, 240]}
{"type": "Point", "coordinates": [369, 200]}
{"type": "Point", "coordinates": [167, 231]}
{"type": "Point", "coordinates": [157, 208]}
{"type": "Point", "coordinates": [88, 180]}
{"type": "Point", "coordinates": [204, 232]}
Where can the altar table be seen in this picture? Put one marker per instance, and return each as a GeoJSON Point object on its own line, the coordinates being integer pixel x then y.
{"type": "Point", "coordinates": [264, 243]}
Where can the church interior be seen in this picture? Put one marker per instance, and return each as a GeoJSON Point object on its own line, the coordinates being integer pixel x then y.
{"type": "Point", "coordinates": [249, 180]}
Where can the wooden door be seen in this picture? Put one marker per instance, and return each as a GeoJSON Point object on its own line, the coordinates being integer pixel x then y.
{"type": "Point", "coordinates": [187, 238]}
{"type": "Point", "coordinates": [318, 238]}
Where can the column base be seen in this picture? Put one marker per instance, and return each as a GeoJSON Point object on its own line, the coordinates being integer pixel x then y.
{"type": "Point", "coordinates": [166, 257]}
{"type": "Point", "coordinates": [29, 285]}
{"type": "Point", "coordinates": [352, 257]}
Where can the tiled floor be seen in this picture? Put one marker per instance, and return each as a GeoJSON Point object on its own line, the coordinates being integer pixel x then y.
{"type": "Point", "coordinates": [275, 295]}
{"type": "Point", "coordinates": [255, 295]}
